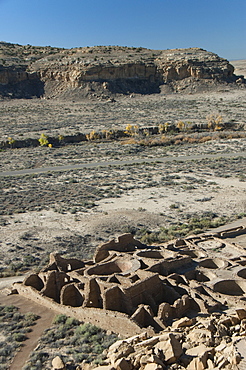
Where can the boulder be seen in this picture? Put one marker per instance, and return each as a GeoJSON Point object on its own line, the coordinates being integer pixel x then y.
{"type": "Point", "coordinates": [235, 358]}
{"type": "Point", "coordinates": [58, 364]}
{"type": "Point", "coordinates": [146, 359]}
{"type": "Point", "coordinates": [106, 367]}
{"type": "Point", "coordinates": [241, 313]}
{"type": "Point", "coordinates": [199, 351]}
{"type": "Point", "coordinates": [171, 349]}
{"type": "Point", "coordinates": [113, 357]}
{"type": "Point", "coordinates": [200, 336]}
{"type": "Point", "coordinates": [150, 342]}
{"type": "Point", "coordinates": [153, 366]}
{"type": "Point", "coordinates": [197, 364]}
{"type": "Point", "coordinates": [118, 350]}
{"type": "Point", "coordinates": [122, 364]}
{"type": "Point", "coordinates": [220, 347]}
{"type": "Point", "coordinates": [210, 364]}
{"type": "Point", "coordinates": [184, 321]}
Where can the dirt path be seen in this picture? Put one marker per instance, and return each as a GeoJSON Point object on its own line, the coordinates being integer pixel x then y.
{"type": "Point", "coordinates": [44, 322]}
{"type": "Point", "coordinates": [8, 281]}
{"type": "Point", "coordinates": [120, 163]}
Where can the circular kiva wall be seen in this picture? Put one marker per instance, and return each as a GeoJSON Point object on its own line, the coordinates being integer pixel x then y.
{"type": "Point", "coordinates": [231, 287]}
{"type": "Point", "coordinates": [215, 263]}
{"type": "Point", "coordinates": [242, 273]}
{"type": "Point", "coordinates": [120, 265]}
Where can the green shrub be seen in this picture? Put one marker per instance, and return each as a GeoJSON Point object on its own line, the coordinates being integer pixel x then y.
{"type": "Point", "coordinates": [10, 308]}
{"type": "Point", "coordinates": [74, 341]}
{"type": "Point", "coordinates": [31, 317]}
{"type": "Point", "coordinates": [87, 329]}
{"type": "Point", "coordinates": [193, 225]}
{"type": "Point", "coordinates": [71, 321]}
{"type": "Point", "coordinates": [19, 337]}
{"type": "Point", "coordinates": [60, 319]}
{"type": "Point", "coordinates": [14, 327]}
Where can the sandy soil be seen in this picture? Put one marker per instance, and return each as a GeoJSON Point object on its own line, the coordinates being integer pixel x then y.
{"type": "Point", "coordinates": [74, 211]}
{"type": "Point", "coordinates": [125, 198]}
{"type": "Point", "coordinates": [29, 118]}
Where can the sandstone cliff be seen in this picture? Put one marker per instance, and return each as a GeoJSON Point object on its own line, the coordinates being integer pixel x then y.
{"type": "Point", "coordinates": [27, 71]}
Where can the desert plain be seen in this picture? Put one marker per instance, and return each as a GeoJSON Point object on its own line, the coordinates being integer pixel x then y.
{"type": "Point", "coordinates": [129, 186]}
{"type": "Point", "coordinates": [74, 197]}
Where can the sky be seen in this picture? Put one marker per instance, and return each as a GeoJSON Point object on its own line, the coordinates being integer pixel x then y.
{"type": "Point", "coordinates": [215, 25]}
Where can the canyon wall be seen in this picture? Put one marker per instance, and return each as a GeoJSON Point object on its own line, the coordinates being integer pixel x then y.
{"type": "Point", "coordinates": [106, 69]}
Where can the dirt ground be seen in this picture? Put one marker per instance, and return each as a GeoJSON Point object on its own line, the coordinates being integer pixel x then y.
{"type": "Point", "coordinates": [75, 210]}
{"type": "Point", "coordinates": [29, 118]}
{"type": "Point", "coordinates": [45, 319]}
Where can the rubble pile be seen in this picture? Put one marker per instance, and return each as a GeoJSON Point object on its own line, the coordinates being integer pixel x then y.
{"type": "Point", "coordinates": [203, 342]}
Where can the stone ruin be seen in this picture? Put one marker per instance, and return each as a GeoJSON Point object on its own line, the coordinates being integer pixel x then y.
{"type": "Point", "coordinates": [129, 287]}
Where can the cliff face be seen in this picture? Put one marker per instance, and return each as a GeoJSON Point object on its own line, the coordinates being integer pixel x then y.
{"type": "Point", "coordinates": [49, 71]}
{"type": "Point", "coordinates": [182, 63]}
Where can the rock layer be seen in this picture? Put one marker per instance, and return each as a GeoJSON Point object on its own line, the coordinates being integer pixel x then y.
{"type": "Point", "coordinates": [49, 72]}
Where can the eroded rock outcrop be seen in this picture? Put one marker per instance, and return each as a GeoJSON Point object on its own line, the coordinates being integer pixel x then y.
{"type": "Point", "coordinates": [54, 71]}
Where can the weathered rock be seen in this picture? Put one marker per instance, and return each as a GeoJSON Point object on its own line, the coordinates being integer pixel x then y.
{"type": "Point", "coordinates": [225, 321]}
{"type": "Point", "coordinates": [165, 350]}
{"type": "Point", "coordinates": [185, 360]}
{"type": "Point", "coordinates": [123, 350]}
{"type": "Point", "coordinates": [184, 321]}
{"type": "Point", "coordinates": [243, 324]}
{"type": "Point", "coordinates": [155, 359]}
{"type": "Point", "coordinates": [210, 364]}
{"type": "Point", "coordinates": [85, 366]}
{"type": "Point", "coordinates": [197, 364]}
{"type": "Point", "coordinates": [146, 359]}
{"type": "Point", "coordinates": [153, 366]}
{"type": "Point", "coordinates": [122, 364]}
{"type": "Point", "coordinates": [234, 320]}
{"type": "Point", "coordinates": [199, 351]}
{"type": "Point", "coordinates": [148, 342]}
{"type": "Point", "coordinates": [136, 358]}
{"type": "Point", "coordinates": [241, 313]}
{"type": "Point", "coordinates": [105, 367]}
{"type": "Point", "coordinates": [222, 363]}
{"type": "Point", "coordinates": [220, 347]}
{"type": "Point", "coordinates": [114, 347]}
{"type": "Point", "coordinates": [171, 349]}
{"type": "Point", "coordinates": [58, 364]}
{"type": "Point", "coordinates": [229, 349]}
{"type": "Point", "coordinates": [200, 336]}
{"type": "Point", "coordinates": [53, 71]}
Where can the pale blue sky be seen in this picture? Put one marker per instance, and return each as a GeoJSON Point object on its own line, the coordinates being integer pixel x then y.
{"type": "Point", "coordinates": [214, 25]}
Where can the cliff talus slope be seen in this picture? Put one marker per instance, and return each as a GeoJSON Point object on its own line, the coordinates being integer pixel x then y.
{"type": "Point", "coordinates": [27, 71]}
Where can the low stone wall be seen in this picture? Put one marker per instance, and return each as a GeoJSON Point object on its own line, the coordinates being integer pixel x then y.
{"type": "Point", "coordinates": [231, 233]}
{"type": "Point", "coordinates": [105, 319]}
